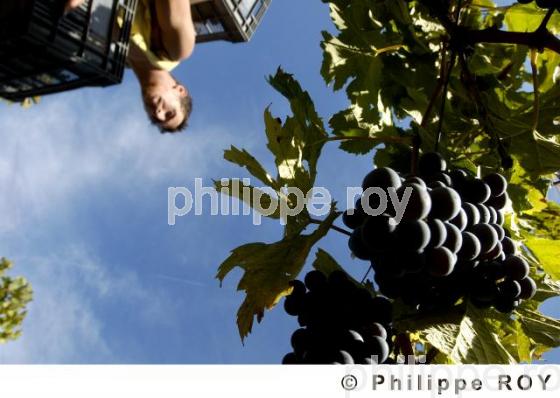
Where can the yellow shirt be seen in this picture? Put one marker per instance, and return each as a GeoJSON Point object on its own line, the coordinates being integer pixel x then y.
{"type": "Point", "coordinates": [141, 35]}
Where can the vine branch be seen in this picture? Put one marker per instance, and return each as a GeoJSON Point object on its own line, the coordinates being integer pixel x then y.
{"type": "Point", "coordinates": [540, 38]}
{"type": "Point", "coordinates": [381, 140]}
{"type": "Point", "coordinates": [535, 73]}
{"type": "Point", "coordinates": [333, 227]}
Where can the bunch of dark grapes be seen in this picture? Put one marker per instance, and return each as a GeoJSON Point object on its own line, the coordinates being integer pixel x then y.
{"type": "Point", "coordinates": [450, 243]}
{"type": "Point", "coordinates": [546, 4]}
{"type": "Point", "coordinates": [341, 323]}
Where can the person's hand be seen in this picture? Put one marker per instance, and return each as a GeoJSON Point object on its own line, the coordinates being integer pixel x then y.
{"type": "Point", "coordinates": [72, 4]}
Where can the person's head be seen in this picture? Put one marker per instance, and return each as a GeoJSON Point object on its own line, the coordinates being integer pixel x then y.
{"type": "Point", "coordinates": [168, 104]}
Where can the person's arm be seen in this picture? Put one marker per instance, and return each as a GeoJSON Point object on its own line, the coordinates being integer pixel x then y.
{"type": "Point", "coordinates": [71, 4]}
{"type": "Point", "coordinates": [176, 28]}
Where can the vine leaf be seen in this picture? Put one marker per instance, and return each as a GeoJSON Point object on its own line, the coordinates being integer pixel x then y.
{"type": "Point", "coordinates": [325, 263]}
{"type": "Point", "coordinates": [303, 135]}
{"type": "Point", "coordinates": [542, 329]}
{"type": "Point", "coordinates": [244, 159]}
{"type": "Point", "coordinates": [537, 154]}
{"type": "Point", "coordinates": [548, 253]}
{"type": "Point", "coordinates": [473, 339]}
{"type": "Point", "coordinates": [541, 236]}
{"type": "Point", "coordinates": [268, 268]}
{"type": "Point", "coordinates": [249, 194]}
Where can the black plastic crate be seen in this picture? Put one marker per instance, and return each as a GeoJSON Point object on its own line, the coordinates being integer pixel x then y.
{"type": "Point", "coordinates": [44, 52]}
{"type": "Point", "coordinates": [231, 20]}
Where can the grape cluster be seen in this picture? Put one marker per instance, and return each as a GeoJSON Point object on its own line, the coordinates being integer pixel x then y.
{"type": "Point", "coordinates": [341, 323]}
{"type": "Point", "coordinates": [449, 244]}
{"type": "Point", "coordinates": [546, 4]}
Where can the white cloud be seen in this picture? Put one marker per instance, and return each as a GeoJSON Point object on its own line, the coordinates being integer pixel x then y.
{"type": "Point", "coordinates": [69, 142]}
{"type": "Point", "coordinates": [63, 325]}
{"type": "Point", "coordinates": [52, 154]}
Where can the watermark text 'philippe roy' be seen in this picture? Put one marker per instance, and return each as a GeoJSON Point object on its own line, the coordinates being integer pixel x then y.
{"type": "Point", "coordinates": [264, 201]}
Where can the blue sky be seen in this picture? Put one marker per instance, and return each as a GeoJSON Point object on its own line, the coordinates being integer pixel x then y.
{"type": "Point", "coordinates": [84, 181]}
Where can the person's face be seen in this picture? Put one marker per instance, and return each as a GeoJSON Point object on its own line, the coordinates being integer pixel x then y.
{"type": "Point", "coordinates": [163, 105]}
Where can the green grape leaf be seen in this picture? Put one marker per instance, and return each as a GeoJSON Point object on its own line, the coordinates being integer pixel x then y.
{"type": "Point", "coordinates": [325, 263]}
{"type": "Point", "coordinates": [268, 268]}
{"type": "Point", "coordinates": [536, 153]}
{"type": "Point", "coordinates": [540, 328]}
{"type": "Point", "coordinates": [541, 233]}
{"type": "Point", "coordinates": [244, 159]}
{"type": "Point", "coordinates": [472, 340]}
{"type": "Point", "coordinates": [251, 196]}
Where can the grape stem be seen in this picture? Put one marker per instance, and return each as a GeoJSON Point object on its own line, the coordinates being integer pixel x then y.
{"type": "Point", "coordinates": [380, 140]}
{"type": "Point", "coordinates": [333, 227]}
{"type": "Point", "coordinates": [535, 73]}
{"type": "Point", "coordinates": [540, 38]}
{"type": "Point", "coordinates": [444, 98]}
{"type": "Point", "coordinates": [470, 82]}
{"type": "Point", "coordinates": [431, 355]}
{"type": "Point", "coordinates": [404, 345]}
{"type": "Point", "coordinates": [366, 274]}
{"type": "Point", "coordinates": [417, 141]}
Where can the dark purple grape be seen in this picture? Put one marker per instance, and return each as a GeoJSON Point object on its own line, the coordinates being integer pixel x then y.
{"type": "Point", "coordinates": [377, 348]}
{"type": "Point", "coordinates": [509, 289]}
{"type": "Point", "coordinates": [493, 215]}
{"type": "Point", "coordinates": [484, 290]}
{"type": "Point", "coordinates": [497, 183]}
{"type": "Point", "coordinates": [499, 230]}
{"type": "Point", "coordinates": [476, 191]}
{"type": "Point", "coordinates": [339, 282]}
{"type": "Point", "coordinates": [292, 305]}
{"type": "Point", "coordinates": [493, 254]}
{"type": "Point", "coordinates": [438, 232]}
{"type": "Point", "coordinates": [470, 249]}
{"type": "Point", "coordinates": [454, 239]}
{"type": "Point", "coordinates": [498, 202]}
{"type": "Point", "coordinates": [415, 180]}
{"type": "Point", "coordinates": [355, 219]}
{"type": "Point", "coordinates": [383, 177]}
{"type": "Point", "coordinates": [419, 203]}
{"type": "Point", "coordinates": [484, 213]}
{"type": "Point", "coordinates": [298, 288]}
{"type": "Point", "coordinates": [377, 233]}
{"type": "Point", "coordinates": [516, 268]}
{"type": "Point", "coordinates": [441, 177]}
{"type": "Point", "coordinates": [412, 235]}
{"type": "Point", "coordinates": [486, 235]}
{"type": "Point", "coordinates": [344, 358]}
{"type": "Point", "coordinates": [412, 262]}
{"type": "Point", "coordinates": [431, 163]}
{"type": "Point", "coordinates": [440, 261]}
{"type": "Point", "coordinates": [528, 288]}
{"type": "Point", "coordinates": [508, 246]}
{"type": "Point", "coordinates": [458, 178]}
{"type": "Point", "coordinates": [357, 246]}
{"type": "Point", "coordinates": [473, 215]}
{"type": "Point", "coordinates": [374, 329]}
{"type": "Point", "coordinates": [505, 305]}
{"type": "Point", "coordinates": [460, 220]}
{"type": "Point", "coordinates": [315, 281]}
{"type": "Point", "coordinates": [446, 203]}
{"type": "Point", "coordinates": [301, 340]}
{"type": "Point", "coordinates": [291, 359]}
{"type": "Point", "coordinates": [436, 184]}
{"type": "Point", "coordinates": [499, 217]}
